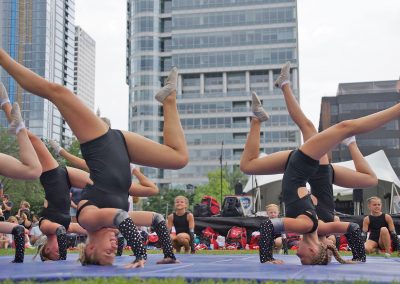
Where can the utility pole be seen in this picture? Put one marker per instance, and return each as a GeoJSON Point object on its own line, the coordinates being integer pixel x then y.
{"type": "Point", "coordinates": [220, 162]}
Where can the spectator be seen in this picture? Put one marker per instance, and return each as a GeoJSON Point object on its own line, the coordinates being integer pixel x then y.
{"type": "Point", "coordinates": [2, 219]}
{"type": "Point", "coordinates": [273, 211]}
{"type": "Point", "coordinates": [1, 189]}
{"type": "Point", "coordinates": [6, 206]}
{"type": "Point", "coordinates": [5, 241]}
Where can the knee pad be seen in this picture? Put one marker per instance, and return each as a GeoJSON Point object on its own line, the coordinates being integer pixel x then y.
{"type": "Point", "coordinates": [61, 231]}
{"type": "Point", "coordinates": [18, 230]}
{"type": "Point", "coordinates": [157, 219]}
{"type": "Point", "coordinates": [120, 216]}
{"type": "Point", "coordinates": [278, 225]}
{"type": "Point", "coordinates": [352, 227]}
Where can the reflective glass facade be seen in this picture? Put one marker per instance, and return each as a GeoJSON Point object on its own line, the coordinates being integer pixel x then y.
{"type": "Point", "coordinates": [40, 35]}
{"type": "Point", "coordinates": [354, 100]}
{"type": "Point", "coordinates": [223, 49]}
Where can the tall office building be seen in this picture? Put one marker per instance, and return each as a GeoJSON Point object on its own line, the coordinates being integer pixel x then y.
{"type": "Point", "coordinates": [40, 35]}
{"type": "Point", "coordinates": [84, 67]}
{"type": "Point", "coordinates": [224, 50]}
{"type": "Point", "coordinates": [355, 100]}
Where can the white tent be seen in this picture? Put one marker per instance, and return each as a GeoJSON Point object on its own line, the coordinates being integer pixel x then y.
{"type": "Point", "coordinates": [378, 162]}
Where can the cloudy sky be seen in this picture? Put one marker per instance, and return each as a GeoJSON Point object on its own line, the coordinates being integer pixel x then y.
{"type": "Point", "coordinates": [339, 41]}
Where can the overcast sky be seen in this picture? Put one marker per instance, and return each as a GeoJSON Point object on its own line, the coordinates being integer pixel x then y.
{"type": "Point", "coordinates": [339, 41]}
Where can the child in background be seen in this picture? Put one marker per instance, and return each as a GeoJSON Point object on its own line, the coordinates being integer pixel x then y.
{"type": "Point", "coordinates": [381, 228]}
{"type": "Point", "coordinates": [183, 222]}
{"type": "Point", "coordinates": [273, 211]}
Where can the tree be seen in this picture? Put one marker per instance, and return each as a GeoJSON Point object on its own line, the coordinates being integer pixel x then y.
{"type": "Point", "coordinates": [213, 188]}
{"type": "Point", "coordinates": [234, 176]}
{"type": "Point", "coordinates": [164, 202]}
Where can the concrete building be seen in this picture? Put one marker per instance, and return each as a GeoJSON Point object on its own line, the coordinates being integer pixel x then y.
{"type": "Point", "coordinates": [84, 67]}
{"type": "Point", "coordinates": [354, 100]}
{"type": "Point", "coordinates": [223, 49]}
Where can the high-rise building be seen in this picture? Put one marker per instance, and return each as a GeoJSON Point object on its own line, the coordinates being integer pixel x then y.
{"type": "Point", "coordinates": [84, 69]}
{"type": "Point", "coordinates": [354, 100]}
{"type": "Point", "coordinates": [40, 35]}
{"type": "Point", "coordinates": [223, 50]}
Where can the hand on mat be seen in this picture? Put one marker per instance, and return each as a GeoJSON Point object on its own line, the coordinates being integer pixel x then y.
{"type": "Point", "coordinates": [275, 261]}
{"type": "Point", "coordinates": [168, 260]}
{"type": "Point", "coordinates": [136, 264]}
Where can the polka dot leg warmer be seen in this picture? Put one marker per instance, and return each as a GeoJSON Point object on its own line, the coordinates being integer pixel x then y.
{"type": "Point", "coordinates": [121, 243]}
{"type": "Point", "coordinates": [165, 240]}
{"type": "Point", "coordinates": [356, 242]}
{"type": "Point", "coordinates": [61, 234]}
{"type": "Point", "coordinates": [133, 238]}
{"type": "Point", "coordinates": [18, 233]}
{"type": "Point", "coordinates": [266, 241]}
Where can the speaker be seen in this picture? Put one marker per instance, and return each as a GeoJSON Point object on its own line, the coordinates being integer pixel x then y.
{"type": "Point", "coordinates": [238, 188]}
{"type": "Point", "coordinates": [358, 195]}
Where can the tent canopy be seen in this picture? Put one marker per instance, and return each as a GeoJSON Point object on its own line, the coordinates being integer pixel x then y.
{"type": "Point", "coordinates": [377, 161]}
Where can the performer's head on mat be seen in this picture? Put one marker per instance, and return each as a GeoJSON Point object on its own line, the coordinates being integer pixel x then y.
{"type": "Point", "coordinates": [100, 247]}
{"type": "Point", "coordinates": [317, 251]}
{"type": "Point", "coordinates": [47, 248]}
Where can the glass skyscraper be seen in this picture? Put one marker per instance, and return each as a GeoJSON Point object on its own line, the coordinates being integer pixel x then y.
{"type": "Point", "coordinates": [40, 35]}
{"type": "Point", "coordinates": [224, 49]}
{"type": "Point", "coordinates": [84, 67]}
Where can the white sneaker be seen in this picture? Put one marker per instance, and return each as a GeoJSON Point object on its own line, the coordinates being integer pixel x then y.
{"type": "Point", "coordinates": [257, 108]}
{"type": "Point", "coordinates": [56, 147]}
{"type": "Point", "coordinates": [387, 255]}
{"type": "Point", "coordinates": [349, 140]}
{"type": "Point", "coordinates": [16, 120]}
{"type": "Point", "coordinates": [284, 77]}
{"type": "Point", "coordinates": [3, 95]}
{"type": "Point", "coordinates": [169, 87]}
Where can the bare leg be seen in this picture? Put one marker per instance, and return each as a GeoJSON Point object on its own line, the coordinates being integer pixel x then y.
{"type": "Point", "coordinates": [384, 240]}
{"type": "Point", "coordinates": [71, 108]}
{"type": "Point", "coordinates": [363, 177]}
{"type": "Point", "coordinates": [320, 144]}
{"type": "Point", "coordinates": [307, 128]}
{"type": "Point", "coordinates": [173, 154]}
{"type": "Point", "coordinates": [250, 163]}
{"type": "Point", "coordinates": [46, 159]}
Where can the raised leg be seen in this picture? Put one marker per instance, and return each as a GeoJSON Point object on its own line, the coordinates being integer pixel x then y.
{"type": "Point", "coordinates": [320, 144]}
{"type": "Point", "coordinates": [173, 154]}
{"type": "Point", "coordinates": [71, 107]}
{"type": "Point", "coordinates": [251, 163]}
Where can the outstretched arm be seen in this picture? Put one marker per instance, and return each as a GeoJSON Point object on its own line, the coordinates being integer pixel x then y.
{"type": "Point", "coordinates": [74, 160]}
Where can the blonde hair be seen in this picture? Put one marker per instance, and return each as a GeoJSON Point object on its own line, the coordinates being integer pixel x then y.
{"type": "Point", "coordinates": [369, 200]}
{"type": "Point", "coordinates": [12, 219]}
{"type": "Point", "coordinates": [26, 204]}
{"type": "Point", "coordinates": [84, 258]}
{"type": "Point", "coordinates": [182, 197]}
{"type": "Point", "coordinates": [272, 205]}
{"type": "Point", "coordinates": [323, 257]}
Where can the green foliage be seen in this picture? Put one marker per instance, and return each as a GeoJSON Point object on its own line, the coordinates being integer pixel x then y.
{"type": "Point", "coordinates": [213, 188]}
{"type": "Point", "coordinates": [234, 176]}
{"type": "Point", "coordinates": [164, 202]}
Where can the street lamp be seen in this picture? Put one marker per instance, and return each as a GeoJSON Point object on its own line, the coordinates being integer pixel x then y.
{"type": "Point", "coordinates": [220, 162]}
